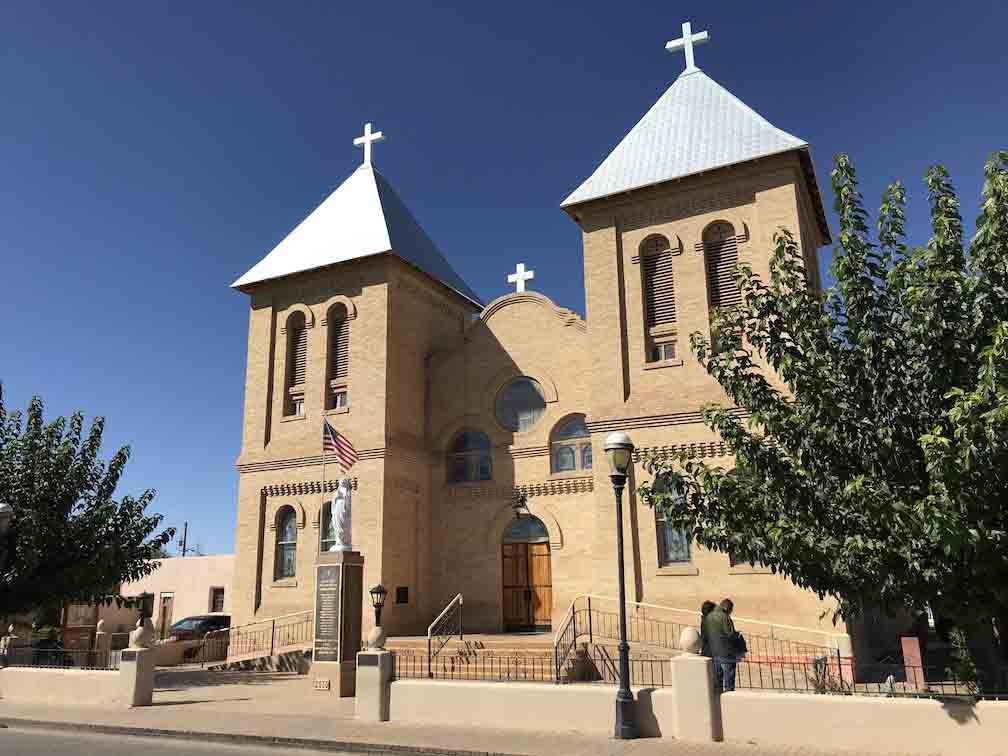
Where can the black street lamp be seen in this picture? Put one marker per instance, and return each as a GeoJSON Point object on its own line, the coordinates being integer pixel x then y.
{"type": "Point", "coordinates": [520, 506]}
{"type": "Point", "coordinates": [378, 594]}
{"type": "Point", "coordinates": [619, 449]}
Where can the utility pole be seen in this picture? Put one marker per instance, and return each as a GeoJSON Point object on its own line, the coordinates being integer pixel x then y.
{"type": "Point", "coordinates": [185, 533]}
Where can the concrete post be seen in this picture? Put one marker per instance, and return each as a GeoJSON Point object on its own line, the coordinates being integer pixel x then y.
{"type": "Point", "coordinates": [102, 645]}
{"type": "Point", "coordinates": [374, 685]}
{"type": "Point", "coordinates": [697, 711]}
{"type": "Point", "coordinates": [136, 676]}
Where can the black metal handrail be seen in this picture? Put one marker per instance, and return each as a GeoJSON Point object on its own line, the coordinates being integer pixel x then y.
{"type": "Point", "coordinates": [447, 625]}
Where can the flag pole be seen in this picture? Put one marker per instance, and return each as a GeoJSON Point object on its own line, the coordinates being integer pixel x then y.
{"type": "Point", "coordinates": [322, 507]}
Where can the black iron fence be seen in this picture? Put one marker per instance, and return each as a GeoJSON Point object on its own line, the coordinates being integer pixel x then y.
{"type": "Point", "coordinates": [65, 658]}
{"type": "Point", "coordinates": [266, 638]}
{"type": "Point", "coordinates": [590, 664]}
{"type": "Point", "coordinates": [838, 675]}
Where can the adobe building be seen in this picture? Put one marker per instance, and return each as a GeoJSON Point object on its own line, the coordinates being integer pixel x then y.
{"type": "Point", "coordinates": [458, 409]}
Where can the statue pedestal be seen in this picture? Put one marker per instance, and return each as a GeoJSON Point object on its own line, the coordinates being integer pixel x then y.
{"type": "Point", "coordinates": [339, 593]}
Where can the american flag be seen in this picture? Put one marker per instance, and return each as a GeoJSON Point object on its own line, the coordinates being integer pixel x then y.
{"type": "Point", "coordinates": [334, 442]}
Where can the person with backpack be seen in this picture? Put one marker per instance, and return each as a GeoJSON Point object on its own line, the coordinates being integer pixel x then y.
{"type": "Point", "coordinates": [726, 645]}
{"type": "Point", "coordinates": [706, 608]}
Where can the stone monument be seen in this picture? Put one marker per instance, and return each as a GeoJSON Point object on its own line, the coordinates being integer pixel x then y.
{"type": "Point", "coordinates": [339, 595]}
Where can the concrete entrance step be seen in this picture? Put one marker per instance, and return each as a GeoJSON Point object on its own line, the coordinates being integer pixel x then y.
{"type": "Point", "coordinates": [498, 643]}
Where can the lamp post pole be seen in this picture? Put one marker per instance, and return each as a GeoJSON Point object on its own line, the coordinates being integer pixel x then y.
{"type": "Point", "coordinates": [6, 515]}
{"type": "Point", "coordinates": [619, 449]}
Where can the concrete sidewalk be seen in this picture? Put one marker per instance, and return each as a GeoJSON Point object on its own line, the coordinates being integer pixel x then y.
{"type": "Point", "coordinates": [282, 709]}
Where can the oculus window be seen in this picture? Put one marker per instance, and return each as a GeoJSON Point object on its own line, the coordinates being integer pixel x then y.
{"type": "Point", "coordinates": [520, 404]}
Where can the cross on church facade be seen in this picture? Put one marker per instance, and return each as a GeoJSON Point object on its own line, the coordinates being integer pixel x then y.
{"type": "Point", "coordinates": [520, 276]}
{"type": "Point", "coordinates": [367, 140]}
{"type": "Point", "coordinates": [686, 43]}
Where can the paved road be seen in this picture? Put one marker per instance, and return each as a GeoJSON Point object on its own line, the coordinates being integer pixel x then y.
{"type": "Point", "coordinates": [16, 741]}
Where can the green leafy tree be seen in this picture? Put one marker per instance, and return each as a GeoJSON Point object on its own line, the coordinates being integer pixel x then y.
{"type": "Point", "coordinates": [875, 452]}
{"type": "Point", "coordinates": [70, 540]}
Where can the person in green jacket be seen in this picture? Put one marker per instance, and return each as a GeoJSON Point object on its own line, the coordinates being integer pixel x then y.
{"type": "Point", "coordinates": [723, 640]}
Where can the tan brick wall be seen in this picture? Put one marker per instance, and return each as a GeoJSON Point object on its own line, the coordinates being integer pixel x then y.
{"type": "Point", "coordinates": [422, 369]}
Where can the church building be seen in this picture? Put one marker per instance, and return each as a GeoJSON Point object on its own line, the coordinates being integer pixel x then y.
{"type": "Point", "coordinates": [478, 427]}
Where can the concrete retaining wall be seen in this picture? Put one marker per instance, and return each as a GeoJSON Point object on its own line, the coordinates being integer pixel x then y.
{"type": "Point", "coordinates": [528, 706]}
{"type": "Point", "coordinates": [61, 686]}
{"type": "Point", "coordinates": [866, 724]}
{"type": "Point", "coordinates": [131, 685]}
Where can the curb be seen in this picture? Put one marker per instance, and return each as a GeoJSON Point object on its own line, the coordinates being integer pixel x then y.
{"type": "Point", "coordinates": [258, 740]}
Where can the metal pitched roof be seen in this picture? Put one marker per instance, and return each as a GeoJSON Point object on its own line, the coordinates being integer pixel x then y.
{"type": "Point", "coordinates": [696, 126]}
{"type": "Point", "coordinates": [363, 217]}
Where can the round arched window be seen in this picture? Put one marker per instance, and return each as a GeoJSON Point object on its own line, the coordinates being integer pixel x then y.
{"type": "Point", "coordinates": [520, 404]}
{"type": "Point", "coordinates": [571, 445]}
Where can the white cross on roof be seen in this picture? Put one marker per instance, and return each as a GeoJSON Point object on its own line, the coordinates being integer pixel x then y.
{"type": "Point", "coordinates": [520, 276]}
{"type": "Point", "coordinates": [366, 140]}
{"type": "Point", "coordinates": [686, 42]}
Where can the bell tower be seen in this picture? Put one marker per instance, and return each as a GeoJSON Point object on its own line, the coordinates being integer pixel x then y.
{"type": "Point", "coordinates": [702, 182]}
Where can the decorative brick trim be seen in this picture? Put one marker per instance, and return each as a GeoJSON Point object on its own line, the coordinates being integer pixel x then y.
{"type": "Point", "coordinates": [283, 464]}
{"type": "Point", "coordinates": [567, 317]}
{"type": "Point", "coordinates": [304, 488]}
{"type": "Point", "coordinates": [529, 451]}
{"type": "Point", "coordinates": [309, 316]}
{"type": "Point", "coordinates": [652, 421]}
{"type": "Point", "coordinates": [351, 308]}
{"type": "Point", "coordinates": [693, 449]}
{"type": "Point", "coordinates": [700, 203]}
{"type": "Point", "coordinates": [675, 251]}
{"type": "Point", "coordinates": [558, 487]}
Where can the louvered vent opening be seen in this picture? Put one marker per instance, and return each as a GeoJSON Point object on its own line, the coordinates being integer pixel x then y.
{"type": "Point", "coordinates": [339, 348]}
{"type": "Point", "coordinates": [659, 291]}
{"type": "Point", "coordinates": [721, 251]}
{"type": "Point", "coordinates": [298, 355]}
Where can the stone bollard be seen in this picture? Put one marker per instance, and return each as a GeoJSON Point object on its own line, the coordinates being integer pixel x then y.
{"type": "Point", "coordinates": [102, 645]}
{"type": "Point", "coordinates": [136, 666]}
{"type": "Point", "coordinates": [7, 646]}
{"type": "Point", "coordinates": [374, 679]}
{"type": "Point", "coordinates": [697, 710]}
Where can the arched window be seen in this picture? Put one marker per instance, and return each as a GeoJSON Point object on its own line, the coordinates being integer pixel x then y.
{"type": "Point", "coordinates": [338, 366]}
{"type": "Point", "coordinates": [673, 541]}
{"type": "Point", "coordinates": [297, 364]}
{"type": "Point", "coordinates": [469, 458]}
{"type": "Point", "coordinates": [326, 532]}
{"type": "Point", "coordinates": [520, 404]}
{"type": "Point", "coordinates": [570, 446]}
{"type": "Point", "coordinates": [659, 298]}
{"type": "Point", "coordinates": [526, 530]}
{"type": "Point", "coordinates": [286, 544]}
{"type": "Point", "coordinates": [721, 258]}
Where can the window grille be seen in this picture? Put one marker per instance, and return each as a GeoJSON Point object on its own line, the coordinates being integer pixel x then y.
{"type": "Point", "coordinates": [339, 346]}
{"type": "Point", "coordinates": [659, 284]}
{"type": "Point", "coordinates": [673, 544]}
{"type": "Point", "coordinates": [298, 355]}
{"type": "Point", "coordinates": [721, 255]}
{"type": "Point", "coordinates": [286, 546]}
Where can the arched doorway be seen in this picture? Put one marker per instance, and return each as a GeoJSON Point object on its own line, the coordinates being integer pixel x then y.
{"type": "Point", "coordinates": [527, 578]}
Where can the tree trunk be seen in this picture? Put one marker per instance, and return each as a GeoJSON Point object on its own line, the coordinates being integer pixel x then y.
{"type": "Point", "coordinates": [983, 649]}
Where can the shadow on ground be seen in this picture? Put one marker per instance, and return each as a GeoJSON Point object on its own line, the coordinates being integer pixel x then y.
{"type": "Point", "coordinates": [166, 680]}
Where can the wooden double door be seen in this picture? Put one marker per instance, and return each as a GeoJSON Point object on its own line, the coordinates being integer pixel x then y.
{"type": "Point", "coordinates": [528, 586]}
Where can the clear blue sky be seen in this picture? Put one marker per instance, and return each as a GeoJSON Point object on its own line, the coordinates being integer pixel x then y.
{"type": "Point", "coordinates": [151, 153]}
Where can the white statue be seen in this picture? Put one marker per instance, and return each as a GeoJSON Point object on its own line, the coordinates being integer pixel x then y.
{"type": "Point", "coordinates": [339, 517]}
